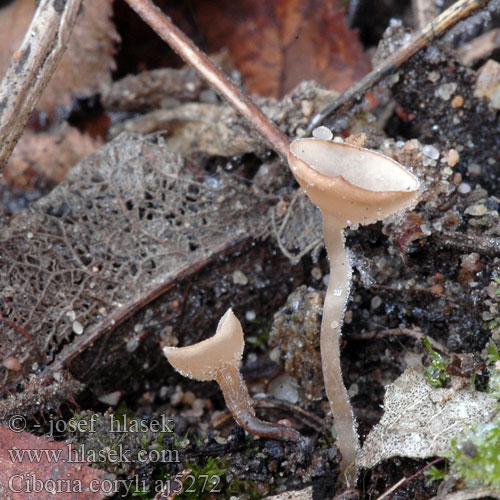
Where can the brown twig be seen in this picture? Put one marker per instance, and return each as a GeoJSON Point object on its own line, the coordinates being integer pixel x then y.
{"type": "Point", "coordinates": [404, 481]}
{"type": "Point", "coordinates": [31, 68]}
{"type": "Point", "coordinates": [186, 49]}
{"type": "Point", "coordinates": [458, 11]}
{"type": "Point", "coordinates": [16, 327]}
{"type": "Point", "coordinates": [408, 332]}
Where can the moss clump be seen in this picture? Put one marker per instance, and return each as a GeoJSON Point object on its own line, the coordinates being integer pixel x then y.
{"type": "Point", "coordinates": [475, 455]}
{"type": "Point", "coordinates": [198, 481]}
{"type": "Point", "coordinates": [436, 371]}
{"type": "Point", "coordinates": [494, 370]}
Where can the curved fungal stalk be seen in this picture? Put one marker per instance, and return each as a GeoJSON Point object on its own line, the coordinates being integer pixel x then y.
{"type": "Point", "coordinates": [350, 185]}
{"type": "Point", "coordinates": [218, 358]}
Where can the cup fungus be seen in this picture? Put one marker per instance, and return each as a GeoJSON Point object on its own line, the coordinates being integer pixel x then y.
{"type": "Point", "coordinates": [350, 185]}
{"type": "Point", "coordinates": [218, 358]}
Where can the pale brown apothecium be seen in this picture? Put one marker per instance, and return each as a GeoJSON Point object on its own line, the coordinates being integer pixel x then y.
{"type": "Point", "coordinates": [350, 185]}
{"type": "Point", "coordinates": [218, 358]}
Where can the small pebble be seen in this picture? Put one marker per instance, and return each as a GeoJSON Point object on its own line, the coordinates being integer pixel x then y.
{"type": "Point", "coordinates": [250, 315]}
{"type": "Point", "coordinates": [426, 231]}
{"type": "Point", "coordinates": [464, 188]}
{"type": "Point", "coordinates": [239, 278]}
{"type": "Point", "coordinates": [132, 344]}
{"type": "Point", "coordinates": [284, 387]}
{"type": "Point", "coordinates": [316, 273]}
{"type": "Point", "coordinates": [476, 210]}
{"type": "Point", "coordinates": [110, 399]}
{"type": "Point", "coordinates": [474, 169]}
{"type": "Point", "coordinates": [322, 133]}
{"type": "Point", "coordinates": [431, 152]}
{"type": "Point", "coordinates": [446, 90]}
{"type": "Point", "coordinates": [457, 101]}
{"type": "Point", "coordinates": [433, 76]}
{"type": "Point", "coordinates": [77, 327]}
{"type": "Point", "coordinates": [307, 109]}
{"type": "Point", "coordinates": [375, 303]}
{"type": "Point", "coordinates": [452, 158]}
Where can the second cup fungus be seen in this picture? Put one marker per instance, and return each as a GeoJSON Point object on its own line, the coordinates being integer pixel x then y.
{"type": "Point", "coordinates": [350, 185]}
{"type": "Point", "coordinates": [218, 358]}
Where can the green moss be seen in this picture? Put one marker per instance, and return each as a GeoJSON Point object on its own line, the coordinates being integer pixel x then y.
{"type": "Point", "coordinates": [435, 474]}
{"type": "Point", "coordinates": [475, 455]}
{"type": "Point", "coordinates": [436, 371]}
{"type": "Point", "coordinates": [202, 480]}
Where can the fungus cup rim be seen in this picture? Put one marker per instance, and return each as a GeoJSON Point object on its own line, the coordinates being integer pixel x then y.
{"type": "Point", "coordinates": [204, 359]}
{"type": "Point", "coordinates": [335, 194]}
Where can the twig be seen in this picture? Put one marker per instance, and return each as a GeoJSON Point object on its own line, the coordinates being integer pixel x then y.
{"type": "Point", "coordinates": [307, 418]}
{"type": "Point", "coordinates": [458, 11]}
{"type": "Point", "coordinates": [31, 68]}
{"type": "Point", "coordinates": [424, 11]}
{"type": "Point", "coordinates": [16, 327]}
{"type": "Point", "coordinates": [408, 332]}
{"type": "Point", "coordinates": [186, 49]}
{"type": "Point", "coordinates": [388, 493]}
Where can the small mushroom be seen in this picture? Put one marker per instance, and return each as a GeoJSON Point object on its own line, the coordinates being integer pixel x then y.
{"type": "Point", "coordinates": [218, 358]}
{"type": "Point", "coordinates": [350, 185]}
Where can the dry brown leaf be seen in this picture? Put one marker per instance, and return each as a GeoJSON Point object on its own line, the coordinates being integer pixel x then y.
{"type": "Point", "coordinates": [48, 154]}
{"type": "Point", "coordinates": [38, 468]}
{"type": "Point", "coordinates": [127, 222]}
{"type": "Point", "coordinates": [280, 43]}
{"type": "Point", "coordinates": [86, 65]}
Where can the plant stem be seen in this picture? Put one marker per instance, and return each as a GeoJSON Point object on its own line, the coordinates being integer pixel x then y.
{"type": "Point", "coordinates": [186, 49]}
{"type": "Point", "coordinates": [31, 68]}
{"type": "Point", "coordinates": [333, 314]}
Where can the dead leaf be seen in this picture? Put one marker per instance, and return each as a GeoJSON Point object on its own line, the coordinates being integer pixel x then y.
{"type": "Point", "coordinates": [125, 224]}
{"type": "Point", "coordinates": [420, 421]}
{"type": "Point", "coordinates": [85, 68]}
{"type": "Point", "coordinates": [38, 468]}
{"type": "Point", "coordinates": [48, 154]}
{"type": "Point", "coordinates": [280, 43]}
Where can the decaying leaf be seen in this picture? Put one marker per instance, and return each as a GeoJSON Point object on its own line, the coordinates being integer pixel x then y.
{"type": "Point", "coordinates": [48, 154]}
{"type": "Point", "coordinates": [420, 421]}
{"type": "Point", "coordinates": [125, 223]}
{"type": "Point", "coordinates": [36, 468]}
{"type": "Point", "coordinates": [278, 44]}
{"type": "Point", "coordinates": [86, 66]}
{"type": "Point", "coordinates": [197, 127]}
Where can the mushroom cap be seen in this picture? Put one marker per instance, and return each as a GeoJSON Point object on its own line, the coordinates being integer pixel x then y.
{"type": "Point", "coordinates": [352, 184]}
{"type": "Point", "coordinates": [204, 360]}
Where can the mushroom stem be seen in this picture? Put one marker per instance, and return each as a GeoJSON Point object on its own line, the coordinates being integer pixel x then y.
{"type": "Point", "coordinates": [333, 313]}
{"type": "Point", "coordinates": [238, 401]}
